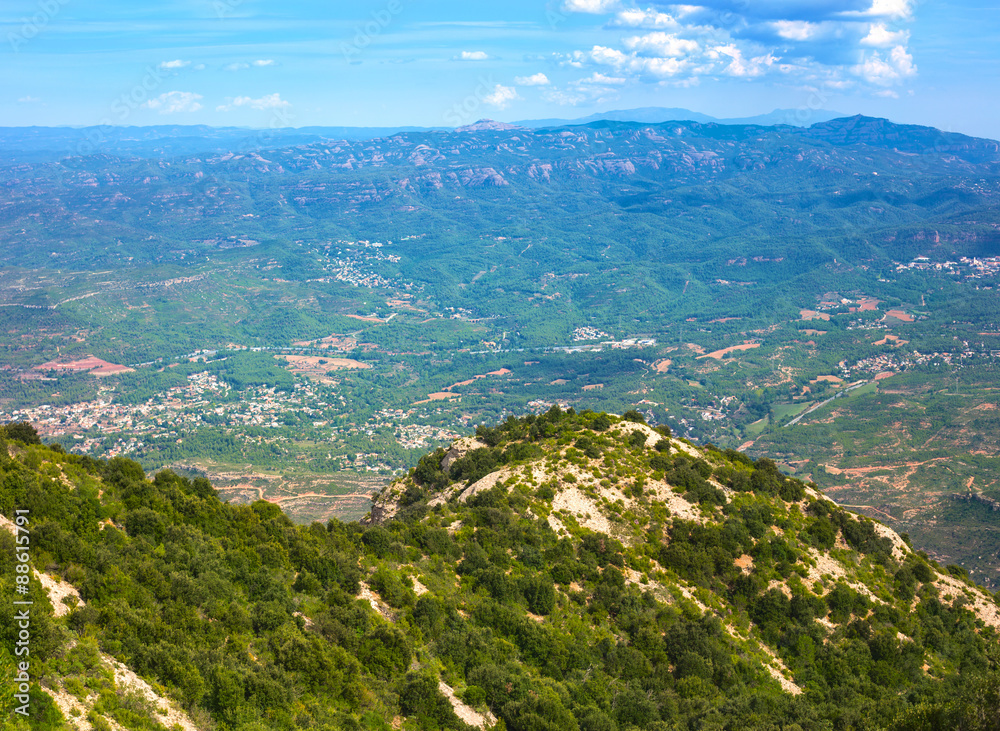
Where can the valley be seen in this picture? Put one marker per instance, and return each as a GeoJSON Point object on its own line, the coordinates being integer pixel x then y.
{"type": "Point", "coordinates": [302, 324]}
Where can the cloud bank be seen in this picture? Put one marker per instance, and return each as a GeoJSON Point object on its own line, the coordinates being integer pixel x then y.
{"type": "Point", "coordinates": [174, 102]}
{"type": "Point", "coordinates": [270, 101]}
{"type": "Point", "coordinates": [842, 44]}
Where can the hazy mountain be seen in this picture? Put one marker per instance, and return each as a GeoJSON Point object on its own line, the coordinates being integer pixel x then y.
{"type": "Point", "coordinates": [657, 115]}
{"type": "Point", "coordinates": [670, 172]}
{"type": "Point", "coordinates": [47, 143]}
{"type": "Point", "coordinates": [651, 115]}
{"type": "Point", "coordinates": [53, 143]}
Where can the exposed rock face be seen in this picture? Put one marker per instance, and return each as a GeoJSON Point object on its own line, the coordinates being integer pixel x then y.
{"type": "Point", "coordinates": [979, 498]}
{"type": "Point", "coordinates": [459, 449]}
{"type": "Point", "coordinates": [385, 505]}
{"type": "Point", "coordinates": [489, 125]}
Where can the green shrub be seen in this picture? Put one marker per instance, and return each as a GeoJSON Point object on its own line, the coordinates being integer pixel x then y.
{"type": "Point", "coordinates": [601, 422]}
{"type": "Point", "coordinates": [392, 588]}
{"type": "Point", "coordinates": [634, 416]}
{"type": "Point", "coordinates": [20, 431]}
{"type": "Point", "coordinates": [385, 651]}
{"type": "Point", "coordinates": [540, 594]}
{"type": "Point", "coordinates": [419, 696]}
{"type": "Point", "coordinates": [957, 571]}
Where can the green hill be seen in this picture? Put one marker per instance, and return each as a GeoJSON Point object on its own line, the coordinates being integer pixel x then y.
{"type": "Point", "coordinates": [566, 571]}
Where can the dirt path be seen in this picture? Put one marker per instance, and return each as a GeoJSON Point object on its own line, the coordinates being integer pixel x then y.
{"type": "Point", "coordinates": [868, 507]}
{"type": "Point", "coordinates": [464, 712]}
{"type": "Point", "coordinates": [860, 471]}
{"type": "Point", "coordinates": [720, 354]}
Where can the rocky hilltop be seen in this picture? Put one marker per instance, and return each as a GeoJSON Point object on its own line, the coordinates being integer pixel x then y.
{"type": "Point", "coordinates": [782, 574]}
{"type": "Point", "coordinates": [562, 571]}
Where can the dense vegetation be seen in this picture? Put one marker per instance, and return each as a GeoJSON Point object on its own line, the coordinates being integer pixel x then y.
{"type": "Point", "coordinates": [660, 621]}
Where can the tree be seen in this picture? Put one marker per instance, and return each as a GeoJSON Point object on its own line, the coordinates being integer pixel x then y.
{"type": "Point", "coordinates": [21, 431]}
{"type": "Point", "coordinates": [420, 696]}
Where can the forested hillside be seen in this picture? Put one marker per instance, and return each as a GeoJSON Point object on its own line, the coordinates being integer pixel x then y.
{"type": "Point", "coordinates": [565, 571]}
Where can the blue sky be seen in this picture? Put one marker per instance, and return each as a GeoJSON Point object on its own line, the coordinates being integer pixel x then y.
{"type": "Point", "coordinates": [263, 63]}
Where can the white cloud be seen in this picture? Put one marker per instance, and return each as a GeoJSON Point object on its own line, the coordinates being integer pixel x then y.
{"type": "Point", "coordinates": [685, 10]}
{"type": "Point", "coordinates": [663, 67]}
{"type": "Point", "coordinates": [178, 64]}
{"type": "Point", "coordinates": [894, 9]}
{"type": "Point", "coordinates": [501, 96]}
{"type": "Point", "coordinates": [243, 66]}
{"type": "Point", "coordinates": [600, 79]}
{"type": "Point", "coordinates": [28, 100]}
{"type": "Point", "coordinates": [903, 61]}
{"type": "Point", "coordinates": [637, 18]}
{"type": "Point", "coordinates": [738, 65]}
{"type": "Point", "coordinates": [533, 80]}
{"type": "Point", "coordinates": [662, 44]}
{"type": "Point", "coordinates": [609, 56]}
{"type": "Point", "coordinates": [632, 62]}
{"type": "Point", "coordinates": [881, 37]}
{"type": "Point", "coordinates": [174, 102]}
{"type": "Point", "coordinates": [474, 56]}
{"type": "Point", "coordinates": [802, 42]}
{"type": "Point", "coordinates": [565, 98]}
{"type": "Point", "coordinates": [271, 101]}
{"type": "Point", "coordinates": [200, 67]}
{"type": "Point", "coordinates": [795, 30]}
{"type": "Point", "coordinates": [590, 6]}
{"type": "Point", "coordinates": [887, 93]}
{"type": "Point", "coordinates": [888, 71]}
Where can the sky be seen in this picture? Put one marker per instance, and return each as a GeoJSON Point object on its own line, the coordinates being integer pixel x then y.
{"type": "Point", "coordinates": [445, 63]}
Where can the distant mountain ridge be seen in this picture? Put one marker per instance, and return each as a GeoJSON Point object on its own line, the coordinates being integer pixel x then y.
{"type": "Point", "coordinates": [658, 115]}
{"type": "Point", "coordinates": [661, 170]}
{"type": "Point", "coordinates": [909, 138]}
{"type": "Point", "coordinates": [27, 144]}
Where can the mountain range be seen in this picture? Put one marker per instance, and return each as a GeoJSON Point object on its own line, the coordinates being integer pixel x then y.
{"type": "Point", "coordinates": [44, 143]}
{"type": "Point", "coordinates": [659, 115]}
